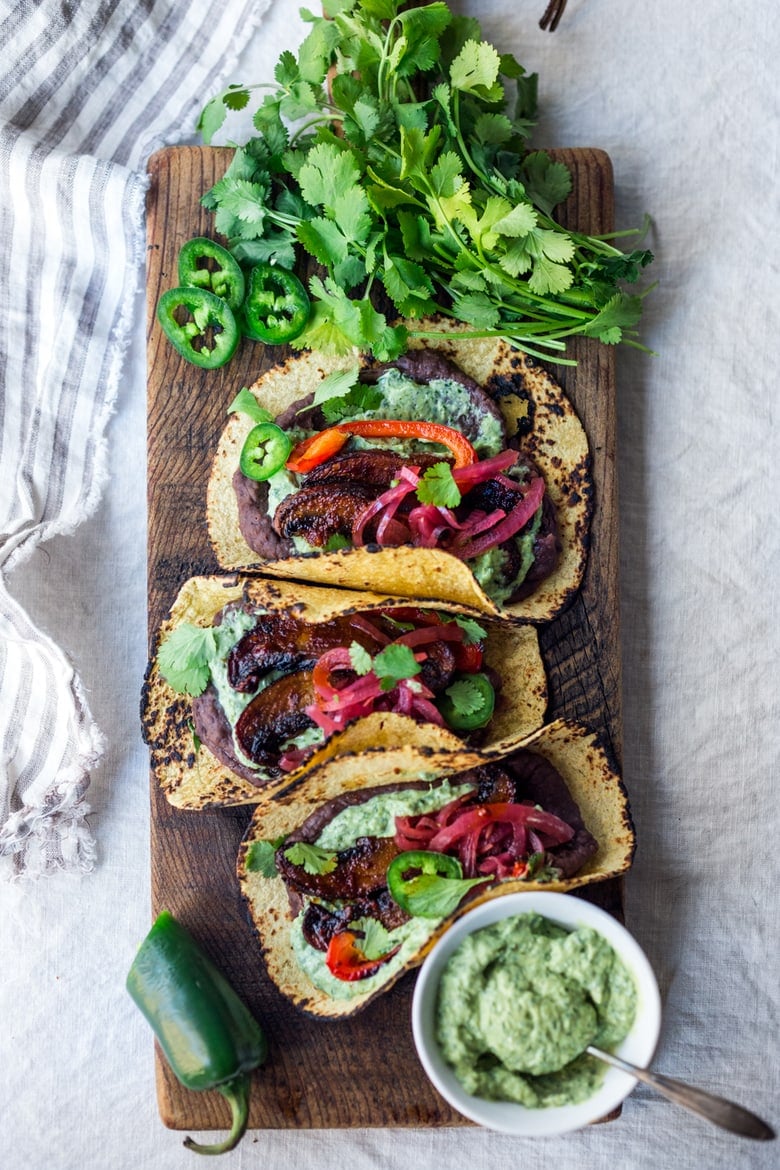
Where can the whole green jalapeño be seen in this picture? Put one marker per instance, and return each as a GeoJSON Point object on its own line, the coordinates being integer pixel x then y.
{"type": "Point", "coordinates": [207, 1034]}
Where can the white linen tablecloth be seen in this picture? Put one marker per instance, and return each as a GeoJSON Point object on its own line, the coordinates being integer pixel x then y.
{"type": "Point", "coordinates": [684, 100]}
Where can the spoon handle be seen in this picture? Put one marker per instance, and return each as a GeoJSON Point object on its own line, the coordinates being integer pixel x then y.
{"type": "Point", "coordinates": [716, 1109]}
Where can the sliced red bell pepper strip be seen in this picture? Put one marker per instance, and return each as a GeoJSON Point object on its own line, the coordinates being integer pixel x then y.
{"type": "Point", "coordinates": [311, 452]}
{"type": "Point", "coordinates": [316, 449]}
{"type": "Point", "coordinates": [346, 961]}
{"type": "Point", "coordinates": [468, 657]}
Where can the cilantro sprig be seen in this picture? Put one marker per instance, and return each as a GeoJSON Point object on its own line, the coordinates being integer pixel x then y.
{"type": "Point", "coordinates": [465, 696]}
{"type": "Point", "coordinates": [409, 179]}
{"type": "Point", "coordinates": [261, 857]}
{"type": "Point", "coordinates": [437, 486]}
{"type": "Point", "coordinates": [391, 665]}
{"type": "Point", "coordinates": [313, 858]}
{"type": "Point", "coordinates": [185, 654]}
{"type": "Point", "coordinates": [183, 658]}
{"type": "Point", "coordinates": [246, 403]}
{"type": "Point", "coordinates": [375, 941]}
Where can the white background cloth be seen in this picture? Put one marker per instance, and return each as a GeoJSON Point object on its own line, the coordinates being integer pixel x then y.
{"type": "Point", "coordinates": [684, 99]}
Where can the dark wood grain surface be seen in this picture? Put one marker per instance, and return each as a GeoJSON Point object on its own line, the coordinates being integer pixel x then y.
{"type": "Point", "coordinates": [362, 1072]}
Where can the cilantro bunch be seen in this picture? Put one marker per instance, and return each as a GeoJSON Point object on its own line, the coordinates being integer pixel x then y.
{"type": "Point", "coordinates": [393, 150]}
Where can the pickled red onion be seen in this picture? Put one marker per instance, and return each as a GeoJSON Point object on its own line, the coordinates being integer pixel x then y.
{"type": "Point", "coordinates": [468, 477]}
{"type": "Point", "coordinates": [509, 526]}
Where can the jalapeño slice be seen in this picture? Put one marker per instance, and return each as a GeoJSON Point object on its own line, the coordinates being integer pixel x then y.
{"type": "Point", "coordinates": [205, 264]}
{"type": "Point", "coordinates": [265, 450]}
{"type": "Point", "coordinates": [199, 325]}
{"type": "Point", "coordinates": [481, 704]}
{"type": "Point", "coordinates": [410, 873]}
{"type": "Point", "coordinates": [276, 307]}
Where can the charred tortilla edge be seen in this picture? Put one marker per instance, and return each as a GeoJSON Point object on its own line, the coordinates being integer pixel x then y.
{"type": "Point", "coordinates": [191, 777]}
{"type": "Point", "coordinates": [553, 436]}
{"type": "Point", "coordinates": [578, 753]}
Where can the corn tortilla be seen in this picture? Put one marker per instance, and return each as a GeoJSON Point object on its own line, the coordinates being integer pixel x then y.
{"type": "Point", "coordinates": [555, 441]}
{"type": "Point", "coordinates": [191, 777]}
{"type": "Point", "coordinates": [576, 752]}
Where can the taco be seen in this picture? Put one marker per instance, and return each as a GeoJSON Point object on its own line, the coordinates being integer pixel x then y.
{"type": "Point", "coordinates": [255, 681]}
{"type": "Point", "coordinates": [352, 874]}
{"type": "Point", "coordinates": [459, 472]}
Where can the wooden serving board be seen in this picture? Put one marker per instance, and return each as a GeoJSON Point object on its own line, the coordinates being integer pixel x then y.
{"type": "Point", "coordinates": [362, 1072]}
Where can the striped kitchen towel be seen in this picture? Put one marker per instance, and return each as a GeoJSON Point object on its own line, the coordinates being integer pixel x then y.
{"type": "Point", "coordinates": [88, 90]}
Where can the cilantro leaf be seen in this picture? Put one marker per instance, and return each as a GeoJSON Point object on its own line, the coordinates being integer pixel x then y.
{"type": "Point", "coordinates": [430, 896]}
{"type": "Point", "coordinates": [618, 314]}
{"type": "Point", "coordinates": [276, 247]}
{"type": "Point", "coordinates": [351, 213]}
{"type": "Point", "coordinates": [475, 70]}
{"type": "Point", "coordinates": [313, 858]}
{"type": "Point", "coordinates": [261, 857]}
{"type": "Point", "coordinates": [300, 100]}
{"type": "Point", "coordinates": [246, 403]}
{"type": "Point", "coordinates": [416, 235]}
{"type": "Point", "coordinates": [613, 268]}
{"type": "Point", "coordinates": [549, 277]}
{"type": "Point", "coordinates": [324, 332]}
{"type": "Point", "coordinates": [335, 542]}
{"type": "Point", "coordinates": [236, 97]}
{"type": "Point", "coordinates": [442, 94]}
{"type": "Point", "coordinates": [360, 658]}
{"type": "Point", "coordinates": [437, 486]}
{"type": "Point", "coordinates": [521, 220]}
{"type": "Point", "coordinates": [469, 281]}
{"type": "Point", "coordinates": [418, 151]}
{"type": "Point", "coordinates": [336, 385]}
{"type": "Point", "coordinates": [324, 240]}
{"type": "Point", "coordinates": [428, 21]}
{"type": "Point", "coordinates": [418, 58]}
{"type": "Point", "coordinates": [478, 309]}
{"type": "Point", "coordinates": [352, 271]}
{"type": "Point", "coordinates": [328, 172]}
{"type": "Point", "coordinates": [493, 129]}
{"type": "Point", "coordinates": [547, 183]}
{"type": "Point", "coordinates": [473, 631]}
{"type": "Point", "coordinates": [465, 696]}
{"type": "Point", "coordinates": [286, 71]}
{"type": "Point", "coordinates": [359, 400]}
{"type": "Point", "coordinates": [394, 663]}
{"type": "Point", "coordinates": [399, 625]}
{"type": "Point", "coordinates": [381, 9]}
{"type": "Point", "coordinates": [446, 174]}
{"type": "Point", "coordinates": [345, 324]}
{"type": "Point", "coordinates": [408, 286]}
{"type": "Point", "coordinates": [365, 116]}
{"type": "Point", "coordinates": [183, 658]}
{"type": "Point", "coordinates": [375, 942]}
{"type": "Point", "coordinates": [245, 200]}
{"type": "Point", "coordinates": [211, 119]}
{"type": "Point", "coordinates": [315, 51]}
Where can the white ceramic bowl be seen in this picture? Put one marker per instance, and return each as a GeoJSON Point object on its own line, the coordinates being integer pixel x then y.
{"type": "Point", "coordinates": [508, 1117]}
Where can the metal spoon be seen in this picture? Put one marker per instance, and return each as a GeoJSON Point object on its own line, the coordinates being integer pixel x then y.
{"type": "Point", "coordinates": [716, 1109]}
